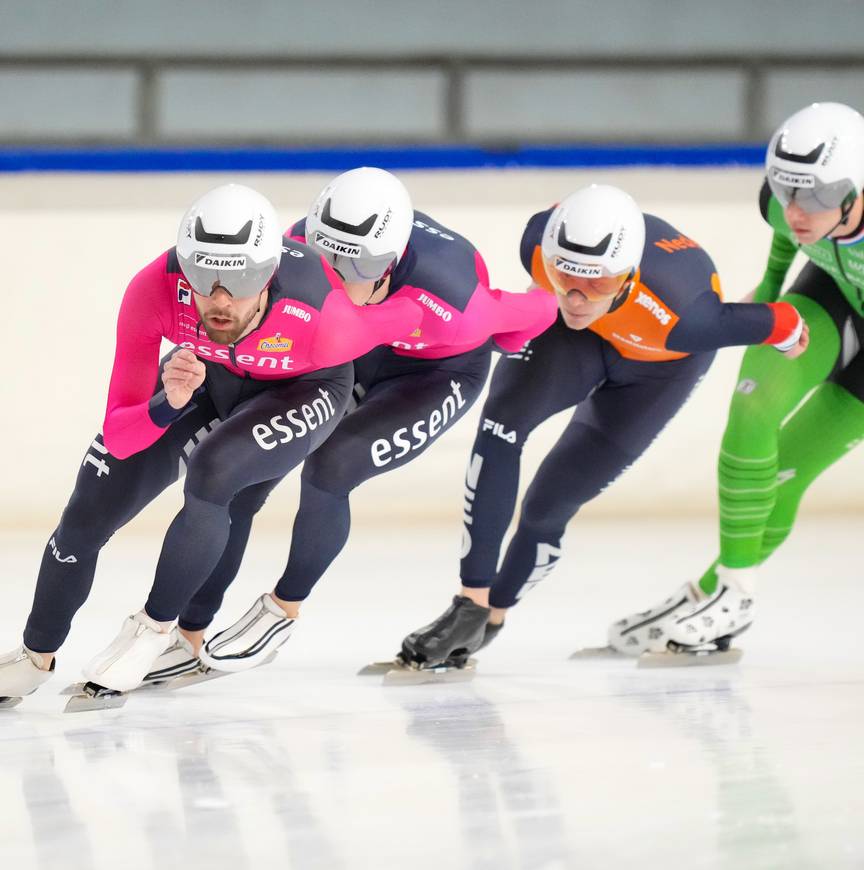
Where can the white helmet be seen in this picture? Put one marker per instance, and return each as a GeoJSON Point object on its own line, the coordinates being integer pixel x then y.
{"type": "Point", "coordinates": [816, 158]}
{"type": "Point", "coordinates": [230, 238]}
{"type": "Point", "coordinates": [597, 232]}
{"type": "Point", "coordinates": [361, 222]}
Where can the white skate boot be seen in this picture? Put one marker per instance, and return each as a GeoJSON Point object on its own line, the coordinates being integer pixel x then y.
{"type": "Point", "coordinates": [179, 667]}
{"type": "Point", "coordinates": [690, 627]}
{"type": "Point", "coordinates": [122, 666]}
{"type": "Point", "coordinates": [646, 631]}
{"type": "Point", "coordinates": [21, 674]}
{"type": "Point", "coordinates": [251, 641]}
{"type": "Point", "coordinates": [717, 619]}
{"type": "Point", "coordinates": [178, 661]}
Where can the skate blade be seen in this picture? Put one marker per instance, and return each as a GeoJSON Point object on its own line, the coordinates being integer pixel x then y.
{"type": "Point", "coordinates": [201, 674]}
{"type": "Point", "coordinates": [690, 658]}
{"type": "Point", "coordinates": [378, 669]}
{"type": "Point", "coordinates": [8, 703]}
{"type": "Point", "coordinates": [598, 652]}
{"type": "Point", "coordinates": [73, 689]}
{"type": "Point", "coordinates": [94, 697]}
{"type": "Point", "coordinates": [408, 675]}
{"type": "Point", "coordinates": [191, 678]}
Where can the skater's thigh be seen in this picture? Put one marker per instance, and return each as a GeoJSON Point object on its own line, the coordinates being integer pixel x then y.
{"type": "Point", "coordinates": [606, 434]}
{"type": "Point", "coordinates": [770, 384]}
{"type": "Point", "coordinates": [554, 371]}
{"type": "Point", "coordinates": [397, 420]}
{"type": "Point", "coordinates": [267, 436]}
{"type": "Point", "coordinates": [109, 491]}
{"type": "Point", "coordinates": [639, 399]}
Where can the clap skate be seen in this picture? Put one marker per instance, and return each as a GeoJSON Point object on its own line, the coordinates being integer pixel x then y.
{"type": "Point", "coordinates": [716, 652]}
{"type": "Point", "coordinates": [177, 668]}
{"type": "Point", "coordinates": [121, 667]}
{"type": "Point", "coordinates": [21, 674]}
{"type": "Point", "coordinates": [399, 672]}
{"type": "Point", "coordinates": [441, 651]}
{"type": "Point", "coordinates": [703, 635]}
{"type": "Point", "coordinates": [690, 627]}
{"type": "Point", "coordinates": [87, 697]}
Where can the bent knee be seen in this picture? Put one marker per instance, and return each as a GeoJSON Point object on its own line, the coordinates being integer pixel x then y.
{"type": "Point", "coordinates": [336, 471]}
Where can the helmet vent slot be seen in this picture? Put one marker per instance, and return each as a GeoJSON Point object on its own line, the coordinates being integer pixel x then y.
{"type": "Point", "coordinates": [239, 238]}
{"type": "Point", "coordinates": [334, 223]}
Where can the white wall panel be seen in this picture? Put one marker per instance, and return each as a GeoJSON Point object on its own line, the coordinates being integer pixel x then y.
{"type": "Point", "coordinates": [67, 103]}
{"type": "Point", "coordinates": [788, 89]}
{"type": "Point", "coordinates": [605, 105]}
{"type": "Point", "coordinates": [255, 103]}
{"type": "Point", "coordinates": [383, 28]}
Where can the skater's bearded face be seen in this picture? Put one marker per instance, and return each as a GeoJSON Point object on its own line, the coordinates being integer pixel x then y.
{"type": "Point", "coordinates": [225, 318]}
{"type": "Point", "coordinates": [584, 300]}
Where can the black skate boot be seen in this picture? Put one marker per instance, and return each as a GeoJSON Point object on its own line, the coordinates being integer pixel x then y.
{"type": "Point", "coordinates": [460, 659]}
{"type": "Point", "coordinates": [458, 632]}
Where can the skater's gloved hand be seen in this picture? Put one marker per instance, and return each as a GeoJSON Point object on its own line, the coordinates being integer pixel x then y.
{"type": "Point", "coordinates": [182, 375]}
{"type": "Point", "coordinates": [800, 345]}
{"type": "Point", "coordinates": [790, 334]}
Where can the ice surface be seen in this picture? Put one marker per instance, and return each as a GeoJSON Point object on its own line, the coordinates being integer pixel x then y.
{"type": "Point", "coordinates": [540, 762]}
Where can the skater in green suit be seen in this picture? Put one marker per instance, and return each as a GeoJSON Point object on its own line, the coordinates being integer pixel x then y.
{"type": "Point", "coordinates": [812, 199]}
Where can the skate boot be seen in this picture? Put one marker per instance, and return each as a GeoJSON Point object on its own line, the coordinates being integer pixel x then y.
{"type": "Point", "coordinates": [21, 674]}
{"type": "Point", "coordinates": [458, 632]}
{"type": "Point", "coordinates": [460, 659]}
{"type": "Point", "coordinates": [178, 660]}
{"type": "Point", "coordinates": [251, 641]}
{"type": "Point", "coordinates": [646, 631]}
{"type": "Point", "coordinates": [122, 666]}
{"type": "Point", "coordinates": [704, 634]}
{"type": "Point", "coordinates": [441, 650]}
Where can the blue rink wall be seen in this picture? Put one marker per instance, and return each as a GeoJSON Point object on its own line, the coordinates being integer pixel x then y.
{"type": "Point", "coordinates": [57, 159]}
{"type": "Point", "coordinates": [78, 235]}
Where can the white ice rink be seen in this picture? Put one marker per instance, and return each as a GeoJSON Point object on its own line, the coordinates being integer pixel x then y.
{"type": "Point", "coordinates": [537, 763]}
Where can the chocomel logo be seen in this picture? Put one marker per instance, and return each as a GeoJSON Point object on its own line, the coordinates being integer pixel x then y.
{"type": "Point", "coordinates": [276, 344]}
{"type": "Point", "coordinates": [658, 311]}
{"type": "Point", "coordinates": [346, 249]}
{"type": "Point", "coordinates": [581, 270]}
{"type": "Point", "coordinates": [211, 261]}
{"type": "Point", "coordinates": [794, 179]}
